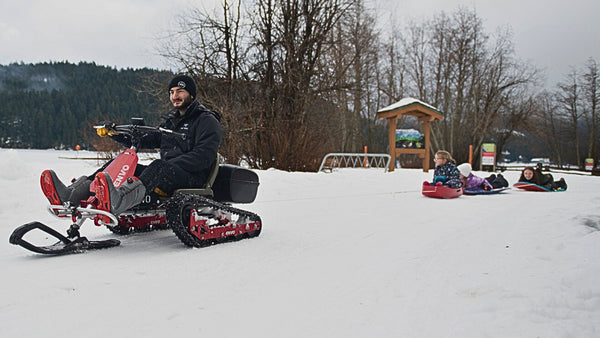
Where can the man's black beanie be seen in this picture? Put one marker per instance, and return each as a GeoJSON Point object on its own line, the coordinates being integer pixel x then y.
{"type": "Point", "coordinates": [184, 82]}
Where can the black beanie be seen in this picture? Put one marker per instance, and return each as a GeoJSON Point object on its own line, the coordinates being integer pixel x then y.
{"type": "Point", "coordinates": [184, 82]}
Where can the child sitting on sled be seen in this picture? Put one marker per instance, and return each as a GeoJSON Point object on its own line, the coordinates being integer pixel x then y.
{"type": "Point", "coordinates": [535, 176]}
{"type": "Point", "coordinates": [472, 182]}
{"type": "Point", "coordinates": [445, 172]}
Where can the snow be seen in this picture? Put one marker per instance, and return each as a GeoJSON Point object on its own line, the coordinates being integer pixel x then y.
{"type": "Point", "coordinates": [353, 253]}
{"type": "Point", "coordinates": [405, 102]}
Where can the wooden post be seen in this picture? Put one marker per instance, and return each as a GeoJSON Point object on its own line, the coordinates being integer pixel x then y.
{"type": "Point", "coordinates": [365, 161]}
{"type": "Point", "coordinates": [426, 156]}
{"type": "Point", "coordinates": [392, 142]}
{"type": "Point", "coordinates": [471, 155]}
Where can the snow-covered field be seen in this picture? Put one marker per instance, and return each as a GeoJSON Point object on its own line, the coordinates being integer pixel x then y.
{"type": "Point", "coordinates": [354, 253]}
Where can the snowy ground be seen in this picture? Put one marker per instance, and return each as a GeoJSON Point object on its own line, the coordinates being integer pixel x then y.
{"type": "Point", "coordinates": [355, 253]}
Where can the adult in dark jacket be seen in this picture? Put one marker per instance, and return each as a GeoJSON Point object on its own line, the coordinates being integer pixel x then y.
{"type": "Point", "coordinates": [183, 163]}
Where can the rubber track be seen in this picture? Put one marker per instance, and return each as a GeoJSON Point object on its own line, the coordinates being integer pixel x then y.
{"type": "Point", "coordinates": [179, 201]}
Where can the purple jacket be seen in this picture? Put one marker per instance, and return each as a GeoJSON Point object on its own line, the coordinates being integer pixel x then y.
{"type": "Point", "coordinates": [475, 183]}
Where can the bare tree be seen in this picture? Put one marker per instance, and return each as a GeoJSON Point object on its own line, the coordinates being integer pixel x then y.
{"type": "Point", "coordinates": [502, 89]}
{"type": "Point", "coordinates": [295, 79]}
{"type": "Point", "coordinates": [440, 82]}
{"type": "Point", "coordinates": [568, 94]}
{"type": "Point", "coordinates": [353, 54]}
{"type": "Point", "coordinates": [416, 53]}
{"type": "Point", "coordinates": [518, 113]}
{"type": "Point", "coordinates": [590, 96]}
{"type": "Point", "coordinates": [453, 66]}
{"type": "Point", "coordinates": [391, 71]}
{"type": "Point", "coordinates": [548, 125]}
{"type": "Point", "coordinates": [292, 37]}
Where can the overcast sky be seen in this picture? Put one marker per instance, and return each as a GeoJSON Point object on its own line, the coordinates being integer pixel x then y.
{"type": "Point", "coordinates": [551, 34]}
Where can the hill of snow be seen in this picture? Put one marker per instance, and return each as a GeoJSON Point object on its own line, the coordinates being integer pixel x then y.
{"type": "Point", "coordinates": [354, 253]}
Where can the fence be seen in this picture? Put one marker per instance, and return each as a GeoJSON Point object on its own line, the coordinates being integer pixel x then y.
{"type": "Point", "coordinates": [354, 160]}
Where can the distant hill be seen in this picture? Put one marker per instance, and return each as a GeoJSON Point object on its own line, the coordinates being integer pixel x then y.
{"type": "Point", "coordinates": [52, 105]}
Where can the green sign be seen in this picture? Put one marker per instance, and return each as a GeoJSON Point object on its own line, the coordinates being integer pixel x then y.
{"type": "Point", "coordinates": [488, 154]}
{"type": "Point", "coordinates": [589, 163]}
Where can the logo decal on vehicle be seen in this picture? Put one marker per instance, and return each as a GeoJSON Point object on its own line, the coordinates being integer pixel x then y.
{"type": "Point", "coordinates": [121, 176]}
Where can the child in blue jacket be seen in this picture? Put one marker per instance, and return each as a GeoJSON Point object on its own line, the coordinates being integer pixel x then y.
{"type": "Point", "coordinates": [445, 171]}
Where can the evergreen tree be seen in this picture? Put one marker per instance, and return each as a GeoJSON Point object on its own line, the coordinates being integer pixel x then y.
{"type": "Point", "coordinates": [46, 105]}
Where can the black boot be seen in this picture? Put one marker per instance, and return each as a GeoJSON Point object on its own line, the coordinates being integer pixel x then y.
{"type": "Point", "coordinates": [560, 184]}
{"type": "Point", "coordinates": [501, 182]}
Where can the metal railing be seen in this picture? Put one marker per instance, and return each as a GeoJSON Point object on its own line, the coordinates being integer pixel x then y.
{"type": "Point", "coordinates": [354, 160]}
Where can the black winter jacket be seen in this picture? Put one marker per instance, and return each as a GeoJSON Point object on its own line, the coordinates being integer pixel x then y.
{"type": "Point", "coordinates": [539, 178]}
{"type": "Point", "coordinates": [198, 152]}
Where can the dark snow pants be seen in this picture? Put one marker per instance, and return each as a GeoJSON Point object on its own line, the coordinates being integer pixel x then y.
{"type": "Point", "coordinates": [163, 175]}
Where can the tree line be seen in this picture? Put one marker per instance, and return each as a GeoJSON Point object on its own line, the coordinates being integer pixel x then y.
{"type": "Point", "coordinates": [54, 105]}
{"type": "Point", "coordinates": [296, 79]}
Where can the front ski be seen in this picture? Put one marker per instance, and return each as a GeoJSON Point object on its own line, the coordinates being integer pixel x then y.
{"type": "Point", "coordinates": [64, 244]}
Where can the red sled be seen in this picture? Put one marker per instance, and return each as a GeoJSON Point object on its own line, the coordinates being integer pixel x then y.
{"type": "Point", "coordinates": [440, 191]}
{"type": "Point", "coordinates": [530, 187]}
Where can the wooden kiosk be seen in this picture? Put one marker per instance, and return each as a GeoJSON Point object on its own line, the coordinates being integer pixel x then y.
{"type": "Point", "coordinates": [424, 113]}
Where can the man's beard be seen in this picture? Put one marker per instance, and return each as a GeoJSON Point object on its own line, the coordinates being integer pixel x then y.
{"type": "Point", "coordinates": [185, 103]}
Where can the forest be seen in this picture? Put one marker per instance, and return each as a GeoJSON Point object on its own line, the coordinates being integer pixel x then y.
{"type": "Point", "coordinates": [297, 79]}
{"type": "Point", "coordinates": [54, 105]}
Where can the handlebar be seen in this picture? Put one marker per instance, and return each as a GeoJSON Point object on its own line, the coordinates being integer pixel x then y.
{"type": "Point", "coordinates": [138, 131]}
{"type": "Point", "coordinates": [170, 132]}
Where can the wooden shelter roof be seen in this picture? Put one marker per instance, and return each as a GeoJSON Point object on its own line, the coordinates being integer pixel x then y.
{"type": "Point", "coordinates": [413, 107]}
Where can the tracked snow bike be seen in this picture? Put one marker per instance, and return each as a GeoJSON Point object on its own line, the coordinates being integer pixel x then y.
{"type": "Point", "coordinates": [199, 217]}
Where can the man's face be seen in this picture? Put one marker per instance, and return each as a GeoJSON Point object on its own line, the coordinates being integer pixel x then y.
{"type": "Point", "coordinates": [180, 98]}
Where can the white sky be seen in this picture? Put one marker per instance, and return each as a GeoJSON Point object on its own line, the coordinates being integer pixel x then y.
{"type": "Point", "coordinates": [552, 34]}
